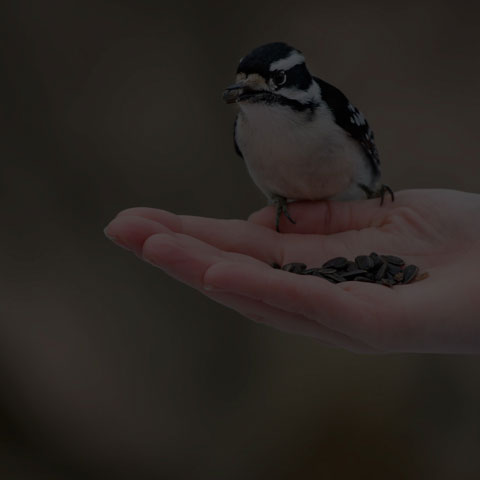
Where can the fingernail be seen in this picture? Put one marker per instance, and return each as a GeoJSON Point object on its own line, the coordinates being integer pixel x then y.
{"type": "Point", "coordinates": [114, 239]}
{"type": "Point", "coordinates": [107, 234]}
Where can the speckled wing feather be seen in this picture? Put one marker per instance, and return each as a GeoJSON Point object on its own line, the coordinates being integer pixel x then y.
{"type": "Point", "coordinates": [351, 120]}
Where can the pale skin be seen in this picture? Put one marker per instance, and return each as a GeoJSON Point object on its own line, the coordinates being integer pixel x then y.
{"type": "Point", "coordinates": [230, 261]}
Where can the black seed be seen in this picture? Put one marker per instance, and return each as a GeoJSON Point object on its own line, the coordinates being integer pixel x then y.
{"type": "Point", "coordinates": [353, 273]}
{"type": "Point", "coordinates": [294, 267]}
{"type": "Point", "coordinates": [394, 269]}
{"type": "Point", "coordinates": [337, 262]}
{"type": "Point", "coordinates": [334, 277]}
{"type": "Point", "coordinates": [331, 280]}
{"type": "Point", "coordinates": [381, 269]}
{"type": "Point", "coordinates": [377, 261]}
{"type": "Point", "coordinates": [351, 266]}
{"type": "Point", "coordinates": [364, 262]}
{"type": "Point", "coordinates": [318, 272]}
{"type": "Point", "coordinates": [409, 273]}
{"type": "Point", "coordinates": [393, 260]}
{"type": "Point", "coordinates": [381, 272]}
{"type": "Point", "coordinates": [328, 270]}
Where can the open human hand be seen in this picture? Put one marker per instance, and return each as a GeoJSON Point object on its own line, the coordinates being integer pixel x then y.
{"type": "Point", "coordinates": [230, 262]}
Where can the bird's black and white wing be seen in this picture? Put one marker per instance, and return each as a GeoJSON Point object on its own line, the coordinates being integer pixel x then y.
{"type": "Point", "coordinates": [351, 120]}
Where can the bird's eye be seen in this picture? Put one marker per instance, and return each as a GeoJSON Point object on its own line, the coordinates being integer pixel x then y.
{"type": "Point", "coordinates": [279, 77]}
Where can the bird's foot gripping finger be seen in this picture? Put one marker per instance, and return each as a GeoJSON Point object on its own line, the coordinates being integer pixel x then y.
{"type": "Point", "coordinates": [281, 204]}
{"type": "Point", "coordinates": [380, 192]}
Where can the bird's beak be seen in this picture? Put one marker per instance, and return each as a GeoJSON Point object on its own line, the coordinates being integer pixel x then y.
{"type": "Point", "coordinates": [252, 86]}
{"type": "Point", "coordinates": [233, 92]}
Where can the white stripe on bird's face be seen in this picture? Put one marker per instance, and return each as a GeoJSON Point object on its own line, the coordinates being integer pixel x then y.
{"type": "Point", "coordinates": [303, 96]}
{"type": "Point", "coordinates": [295, 58]}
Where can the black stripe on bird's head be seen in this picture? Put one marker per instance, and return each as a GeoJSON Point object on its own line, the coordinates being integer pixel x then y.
{"type": "Point", "coordinates": [274, 73]}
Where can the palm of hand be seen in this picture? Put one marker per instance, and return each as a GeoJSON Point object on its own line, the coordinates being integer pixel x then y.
{"type": "Point", "coordinates": [229, 260]}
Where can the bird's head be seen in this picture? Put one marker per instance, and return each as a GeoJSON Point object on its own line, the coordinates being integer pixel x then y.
{"type": "Point", "coordinates": [274, 74]}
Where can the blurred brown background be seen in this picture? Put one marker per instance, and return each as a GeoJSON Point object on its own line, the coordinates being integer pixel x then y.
{"type": "Point", "coordinates": [110, 369]}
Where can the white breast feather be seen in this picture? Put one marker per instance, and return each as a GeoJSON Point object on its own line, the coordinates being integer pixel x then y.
{"type": "Point", "coordinates": [288, 155]}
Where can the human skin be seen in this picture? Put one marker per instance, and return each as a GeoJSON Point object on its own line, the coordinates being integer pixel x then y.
{"type": "Point", "coordinates": [230, 262]}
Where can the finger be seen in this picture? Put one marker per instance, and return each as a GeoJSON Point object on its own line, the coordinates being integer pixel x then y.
{"type": "Point", "coordinates": [206, 268]}
{"type": "Point", "coordinates": [288, 322]}
{"type": "Point", "coordinates": [336, 308]}
{"type": "Point", "coordinates": [131, 232]}
{"type": "Point", "coordinates": [187, 259]}
{"type": "Point", "coordinates": [228, 235]}
{"type": "Point", "coordinates": [325, 217]}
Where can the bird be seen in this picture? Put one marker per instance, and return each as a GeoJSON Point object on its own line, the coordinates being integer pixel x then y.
{"type": "Point", "coordinates": [300, 137]}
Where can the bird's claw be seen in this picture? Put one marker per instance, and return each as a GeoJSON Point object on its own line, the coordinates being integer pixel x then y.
{"type": "Point", "coordinates": [281, 203]}
{"type": "Point", "coordinates": [378, 193]}
{"type": "Point", "coordinates": [383, 190]}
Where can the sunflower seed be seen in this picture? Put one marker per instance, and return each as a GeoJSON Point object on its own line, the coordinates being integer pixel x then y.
{"type": "Point", "coordinates": [331, 280]}
{"type": "Point", "coordinates": [317, 272]}
{"type": "Point", "coordinates": [387, 270]}
{"type": "Point", "coordinates": [294, 267]}
{"type": "Point", "coordinates": [393, 260]}
{"type": "Point", "coordinates": [377, 260]}
{"type": "Point", "coordinates": [337, 262]}
{"type": "Point", "coordinates": [381, 272]}
{"type": "Point", "coordinates": [409, 273]}
{"type": "Point", "coordinates": [353, 273]}
{"type": "Point", "coordinates": [364, 262]}
{"type": "Point", "coordinates": [351, 266]}
{"type": "Point", "coordinates": [328, 270]}
{"type": "Point", "coordinates": [334, 277]}
{"type": "Point", "coordinates": [393, 269]}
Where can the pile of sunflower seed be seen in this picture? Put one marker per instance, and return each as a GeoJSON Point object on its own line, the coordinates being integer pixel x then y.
{"type": "Point", "coordinates": [386, 270]}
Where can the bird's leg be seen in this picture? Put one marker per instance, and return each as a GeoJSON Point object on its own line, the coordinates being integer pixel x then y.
{"type": "Point", "coordinates": [380, 192]}
{"type": "Point", "coordinates": [281, 204]}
